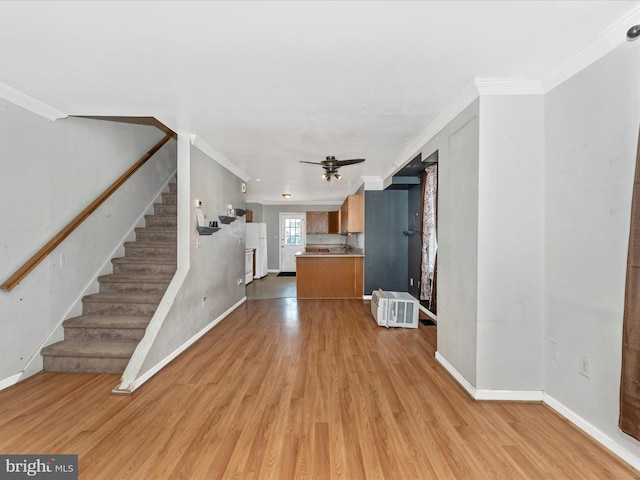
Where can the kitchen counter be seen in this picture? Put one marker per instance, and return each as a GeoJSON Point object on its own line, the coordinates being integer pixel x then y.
{"type": "Point", "coordinates": [337, 274]}
{"type": "Point", "coordinates": [332, 249]}
{"type": "Point", "coordinates": [333, 253]}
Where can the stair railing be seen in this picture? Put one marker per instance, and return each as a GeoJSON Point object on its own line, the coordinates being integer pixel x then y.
{"type": "Point", "coordinates": [41, 254]}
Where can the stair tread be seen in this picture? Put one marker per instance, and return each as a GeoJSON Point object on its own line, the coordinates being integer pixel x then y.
{"type": "Point", "coordinates": [107, 321]}
{"type": "Point", "coordinates": [68, 348]}
{"type": "Point", "coordinates": [150, 243]}
{"type": "Point", "coordinates": [140, 298]}
{"type": "Point", "coordinates": [135, 278]}
{"type": "Point", "coordinates": [154, 259]}
{"type": "Point", "coordinates": [162, 228]}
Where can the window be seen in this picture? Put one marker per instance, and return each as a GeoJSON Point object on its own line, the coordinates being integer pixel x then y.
{"type": "Point", "coordinates": [293, 231]}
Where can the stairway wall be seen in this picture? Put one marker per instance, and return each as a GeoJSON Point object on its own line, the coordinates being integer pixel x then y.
{"type": "Point", "coordinates": [50, 172]}
{"type": "Point", "coordinates": [208, 266]}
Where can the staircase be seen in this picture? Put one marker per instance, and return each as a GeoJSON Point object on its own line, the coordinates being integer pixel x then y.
{"type": "Point", "coordinates": [114, 320]}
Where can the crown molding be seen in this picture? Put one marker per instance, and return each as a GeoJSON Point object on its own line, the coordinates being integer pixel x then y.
{"type": "Point", "coordinates": [22, 100]}
{"type": "Point", "coordinates": [451, 111]}
{"type": "Point", "coordinates": [509, 86]}
{"type": "Point", "coordinates": [612, 37]}
{"type": "Point", "coordinates": [373, 182]}
{"type": "Point", "coordinates": [208, 150]}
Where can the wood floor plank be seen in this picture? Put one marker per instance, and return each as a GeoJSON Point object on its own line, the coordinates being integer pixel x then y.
{"type": "Point", "coordinates": [286, 389]}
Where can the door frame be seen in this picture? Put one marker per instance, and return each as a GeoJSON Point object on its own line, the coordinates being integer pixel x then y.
{"type": "Point", "coordinates": [282, 215]}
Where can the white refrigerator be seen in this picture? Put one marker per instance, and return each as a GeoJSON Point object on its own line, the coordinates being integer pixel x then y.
{"type": "Point", "coordinates": [256, 237]}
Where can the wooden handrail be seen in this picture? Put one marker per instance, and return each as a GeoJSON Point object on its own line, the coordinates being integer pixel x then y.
{"type": "Point", "coordinates": [30, 264]}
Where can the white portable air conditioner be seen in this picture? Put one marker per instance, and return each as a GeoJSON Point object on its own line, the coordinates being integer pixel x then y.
{"type": "Point", "coordinates": [394, 309]}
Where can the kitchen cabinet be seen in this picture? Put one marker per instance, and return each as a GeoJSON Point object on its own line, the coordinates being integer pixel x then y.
{"type": "Point", "coordinates": [329, 276]}
{"type": "Point", "coordinates": [334, 222]}
{"type": "Point", "coordinates": [249, 216]}
{"type": "Point", "coordinates": [318, 222]}
{"type": "Point", "coordinates": [352, 214]}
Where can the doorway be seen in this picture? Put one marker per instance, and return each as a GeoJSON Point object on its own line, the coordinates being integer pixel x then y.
{"type": "Point", "coordinates": [293, 239]}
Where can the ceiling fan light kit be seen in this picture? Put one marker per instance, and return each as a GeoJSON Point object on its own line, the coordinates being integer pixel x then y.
{"type": "Point", "coordinates": [331, 166]}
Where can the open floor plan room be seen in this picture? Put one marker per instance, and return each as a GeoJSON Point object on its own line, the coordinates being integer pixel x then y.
{"type": "Point", "coordinates": [289, 389]}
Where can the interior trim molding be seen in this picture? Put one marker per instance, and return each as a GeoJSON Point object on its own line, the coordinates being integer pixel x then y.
{"type": "Point", "coordinates": [22, 100]}
{"type": "Point", "coordinates": [208, 150]}
{"type": "Point", "coordinates": [509, 86]}
{"type": "Point", "coordinates": [9, 381]}
{"type": "Point", "coordinates": [540, 396]}
{"type": "Point", "coordinates": [593, 431]}
{"type": "Point", "coordinates": [612, 37]}
{"type": "Point", "coordinates": [372, 182]}
{"type": "Point", "coordinates": [166, 360]}
{"type": "Point", "coordinates": [461, 101]}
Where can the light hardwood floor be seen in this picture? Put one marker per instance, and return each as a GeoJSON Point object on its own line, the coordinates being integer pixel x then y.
{"type": "Point", "coordinates": [286, 389]}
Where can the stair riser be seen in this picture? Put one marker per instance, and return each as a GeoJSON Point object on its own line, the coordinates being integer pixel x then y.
{"type": "Point", "coordinates": [152, 236]}
{"type": "Point", "coordinates": [146, 268]}
{"type": "Point", "coordinates": [160, 221]}
{"type": "Point", "coordinates": [146, 251]}
{"type": "Point", "coordinates": [169, 199]}
{"type": "Point", "coordinates": [84, 364]}
{"type": "Point", "coordinates": [103, 334]}
{"type": "Point", "coordinates": [173, 187]}
{"type": "Point", "coordinates": [129, 287]}
{"type": "Point", "coordinates": [165, 209]}
{"type": "Point", "coordinates": [109, 308]}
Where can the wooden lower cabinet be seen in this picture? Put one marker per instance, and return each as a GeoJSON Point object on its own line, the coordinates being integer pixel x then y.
{"type": "Point", "coordinates": [329, 276]}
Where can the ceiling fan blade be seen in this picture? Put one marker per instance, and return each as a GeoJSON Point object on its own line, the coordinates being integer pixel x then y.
{"type": "Point", "coordinates": [312, 163]}
{"type": "Point", "coordinates": [341, 163]}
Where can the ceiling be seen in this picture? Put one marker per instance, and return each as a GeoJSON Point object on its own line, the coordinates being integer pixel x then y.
{"type": "Point", "coordinates": [268, 84]}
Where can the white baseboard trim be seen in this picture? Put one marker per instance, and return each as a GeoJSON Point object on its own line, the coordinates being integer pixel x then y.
{"type": "Point", "coordinates": [160, 365]}
{"type": "Point", "coordinates": [540, 396]}
{"type": "Point", "coordinates": [428, 313]}
{"type": "Point", "coordinates": [12, 380]}
{"type": "Point", "coordinates": [593, 431]}
{"type": "Point", "coordinates": [456, 375]}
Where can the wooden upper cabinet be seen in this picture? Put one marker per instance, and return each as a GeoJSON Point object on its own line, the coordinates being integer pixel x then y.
{"type": "Point", "coordinates": [352, 214]}
{"type": "Point", "coordinates": [334, 222]}
{"type": "Point", "coordinates": [318, 222]}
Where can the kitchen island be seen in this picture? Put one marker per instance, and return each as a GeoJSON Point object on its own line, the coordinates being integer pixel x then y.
{"type": "Point", "coordinates": [336, 273]}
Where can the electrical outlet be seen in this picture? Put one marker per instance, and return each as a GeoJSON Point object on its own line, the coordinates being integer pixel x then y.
{"type": "Point", "coordinates": [63, 260]}
{"type": "Point", "coordinates": [197, 243]}
{"type": "Point", "coordinates": [240, 282]}
{"type": "Point", "coordinates": [553, 350]}
{"type": "Point", "coordinates": [585, 366]}
{"type": "Point", "coordinates": [411, 282]}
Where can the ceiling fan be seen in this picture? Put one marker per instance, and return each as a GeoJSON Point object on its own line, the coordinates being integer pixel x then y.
{"type": "Point", "coordinates": [331, 166]}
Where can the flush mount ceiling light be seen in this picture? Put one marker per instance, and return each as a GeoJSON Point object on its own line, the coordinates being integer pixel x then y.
{"type": "Point", "coordinates": [286, 196]}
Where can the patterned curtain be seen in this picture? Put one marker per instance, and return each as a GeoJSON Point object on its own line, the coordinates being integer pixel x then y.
{"type": "Point", "coordinates": [429, 243]}
{"type": "Point", "coordinates": [629, 420]}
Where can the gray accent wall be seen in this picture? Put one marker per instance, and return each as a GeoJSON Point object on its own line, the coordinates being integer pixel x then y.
{"type": "Point", "coordinates": [386, 254]}
{"type": "Point", "coordinates": [414, 247]}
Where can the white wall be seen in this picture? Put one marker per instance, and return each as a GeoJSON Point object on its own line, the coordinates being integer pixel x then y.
{"type": "Point", "coordinates": [214, 266]}
{"type": "Point", "coordinates": [458, 151]}
{"type": "Point", "coordinates": [511, 243]}
{"type": "Point", "coordinates": [50, 172]}
{"type": "Point", "coordinates": [591, 131]}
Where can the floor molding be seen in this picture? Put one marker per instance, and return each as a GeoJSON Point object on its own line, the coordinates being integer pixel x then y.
{"type": "Point", "coordinates": [9, 381]}
{"type": "Point", "coordinates": [540, 396]}
{"type": "Point", "coordinates": [160, 365]}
